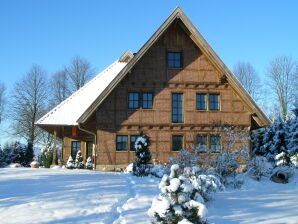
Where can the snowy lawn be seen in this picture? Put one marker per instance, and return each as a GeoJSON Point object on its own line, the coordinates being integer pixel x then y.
{"type": "Point", "coordinates": [73, 196]}
{"type": "Point", "coordinates": [257, 202]}
{"type": "Point", "coordinates": [81, 196]}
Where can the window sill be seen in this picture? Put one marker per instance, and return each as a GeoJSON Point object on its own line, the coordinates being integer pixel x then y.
{"type": "Point", "coordinates": [175, 68]}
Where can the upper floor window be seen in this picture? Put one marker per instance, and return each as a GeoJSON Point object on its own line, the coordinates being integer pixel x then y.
{"type": "Point", "coordinates": [201, 145]}
{"type": "Point", "coordinates": [215, 144]}
{"type": "Point", "coordinates": [75, 147]}
{"type": "Point", "coordinates": [177, 107]}
{"type": "Point", "coordinates": [201, 101]}
{"type": "Point", "coordinates": [214, 101]}
{"type": "Point", "coordinates": [147, 100]}
{"type": "Point", "coordinates": [121, 144]}
{"type": "Point", "coordinates": [177, 142]}
{"type": "Point", "coordinates": [140, 100]}
{"type": "Point", "coordinates": [133, 139]}
{"type": "Point", "coordinates": [174, 59]}
{"type": "Point", "coordinates": [133, 100]}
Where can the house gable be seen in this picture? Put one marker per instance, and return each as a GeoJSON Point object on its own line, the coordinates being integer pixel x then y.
{"type": "Point", "coordinates": [178, 17]}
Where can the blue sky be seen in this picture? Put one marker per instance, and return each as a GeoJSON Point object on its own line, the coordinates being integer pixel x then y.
{"type": "Point", "coordinates": [50, 32]}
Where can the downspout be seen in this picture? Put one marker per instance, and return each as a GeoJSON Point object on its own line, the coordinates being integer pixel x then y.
{"type": "Point", "coordinates": [95, 141]}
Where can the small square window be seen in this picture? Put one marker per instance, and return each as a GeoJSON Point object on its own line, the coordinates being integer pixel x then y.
{"type": "Point", "coordinates": [214, 101]}
{"type": "Point", "coordinates": [133, 139]}
{"type": "Point", "coordinates": [133, 100]}
{"type": "Point", "coordinates": [174, 60]}
{"type": "Point", "coordinates": [215, 145]}
{"type": "Point", "coordinates": [201, 101]}
{"type": "Point", "coordinates": [201, 145]}
{"type": "Point", "coordinates": [121, 144]}
{"type": "Point", "coordinates": [177, 142]}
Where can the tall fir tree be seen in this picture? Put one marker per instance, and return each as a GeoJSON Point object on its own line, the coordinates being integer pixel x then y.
{"type": "Point", "coordinates": [79, 160]}
{"type": "Point", "coordinates": [143, 156]}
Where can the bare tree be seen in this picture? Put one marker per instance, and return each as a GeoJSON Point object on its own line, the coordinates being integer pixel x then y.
{"type": "Point", "coordinates": [249, 78]}
{"type": "Point", "coordinates": [60, 87]}
{"type": "Point", "coordinates": [281, 76]}
{"type": "Point", "coordinates": [79, 73]}
{"type": "Point", "coordinates": [2, 100]}
{"type": "Point", "coordinates": [29, 102]}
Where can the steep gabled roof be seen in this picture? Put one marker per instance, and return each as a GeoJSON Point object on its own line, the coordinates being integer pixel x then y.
{"type": "Point", "coordinates": [198, 39]}
{"type": "Point", "coordinates": [69, 111]}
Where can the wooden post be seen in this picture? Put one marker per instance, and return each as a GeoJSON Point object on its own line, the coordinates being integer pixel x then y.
{"type": "Point", "coordinates": [55, 157]}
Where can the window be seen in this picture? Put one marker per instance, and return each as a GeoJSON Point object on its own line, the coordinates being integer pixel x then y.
{"type": "Point", "coordinates": [201, 101]}
{"type": "Point", "coordinates": [140, 100]}
{"type": "Point", "coordinates": [174, 60]}
{"type": "Point", "coordinates": [215, 145]}
{"type": "Point", "coordinates": [75, 147]}
{"type": "Point", "coordinates": [89, 146]}
{"type": "Point", "coordinates": [201, 143]}
{"type": "Point", "coordinates": [133, 139]}
{"type": "Point", "coordinates": [121, 144]}
{"type": "Point", "coordinates": [133, 100]}
{"type": "Point", "coordinates": [177, 142]}
{"type": "Point", "coordinates": [214, 101]}
{"type": "Point", "coordinates": [177, 108]}
{"type": "Point", "coordinates": [147, 100]}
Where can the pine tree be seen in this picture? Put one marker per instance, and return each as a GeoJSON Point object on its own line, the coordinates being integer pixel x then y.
{"type": "Point", "coordinates": [29, 154]}
{"type": "Point", "coordinates": [178, 201]}
{"type": "Point", "coordinates": [293, 136]}
{"type": "Point", "coordinates": [70, 163]}
{"type": "Point", "coordinates": [47, 157]}
{"type": "Point", "coordinates": [143, 156]}
{"type": "Point", "coordinates": [79, 160]}
{"type": "Point", "coordinates": [280, 141]}
{"type": "Point", "coordinates": [2, 158]}
{"type": "Point", "coordinates": [89, 164]}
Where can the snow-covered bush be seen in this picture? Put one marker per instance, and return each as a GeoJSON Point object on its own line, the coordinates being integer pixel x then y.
{"type": "Point", "coordinates": [143, 156]}
{"type": "Point", "coordinates": [47, 157]}
{"type": "Point", "coordinates": [158, 170]}
{"type": "Point", "coordinates": [259, 167]}
{"type": "Point", "coordinates": [294, 159]}
{"type": "Point", "coordinates": [226, 164]}
{"type": "Point", "coordinates": [186, 158]}
{"type": "Point", "coordinates": [79, 164]}
{"type": "Point", "coordinates": [89, 164]}
{"type": "Point", "coordinates": [204, 182]}
{"type": "Point", "coordinates": [178, 201]}
{"type": "Point", "coordinates": [70, 163]}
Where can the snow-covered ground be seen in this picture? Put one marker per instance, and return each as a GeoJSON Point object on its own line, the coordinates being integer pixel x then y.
{"type": "Point", "coordinates": [73, 196]}
{"type": "Point", "coordinates": [81, 196]}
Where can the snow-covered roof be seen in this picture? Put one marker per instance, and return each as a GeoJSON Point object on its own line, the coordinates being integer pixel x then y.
{"type": "Point", "coordinates": [69, 111]}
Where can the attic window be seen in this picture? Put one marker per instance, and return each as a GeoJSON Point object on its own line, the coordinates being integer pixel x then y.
{"type": "Point", "coordinates": [174, 59]}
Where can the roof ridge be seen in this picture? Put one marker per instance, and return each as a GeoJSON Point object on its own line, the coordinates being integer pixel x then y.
{"type": "Point", "coordinates": [76, 92]}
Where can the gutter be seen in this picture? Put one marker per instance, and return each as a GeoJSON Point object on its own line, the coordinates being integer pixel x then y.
{"type": "Point", "coordinates": [95, 142]}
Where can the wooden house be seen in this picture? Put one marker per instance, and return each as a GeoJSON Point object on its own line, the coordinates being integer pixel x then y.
{"type": "Point", "coordinates": [174, 89]}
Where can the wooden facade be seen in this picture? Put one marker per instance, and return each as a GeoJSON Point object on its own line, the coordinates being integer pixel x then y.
{"type": "Point", "coordinates": [150, 73]}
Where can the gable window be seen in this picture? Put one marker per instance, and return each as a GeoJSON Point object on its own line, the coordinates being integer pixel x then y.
{"type": "Point", "coordinates": [177, 108]}
{"type": "Point", "coordinates": [174, 59]}
{"type": "Point", "coordinates": [133, 100]}
{"type": "Point", "coordinates": [201, 101]}
{"type": "Point", "coordinates": [133, 139]}
{"type": "Point", "coordinates": [121, 144]}
{"type": "Point", "coordinates": [214, 101]}
{"type": "Point", "coordinates": [89, 146]}
{"type": "Point", "coordinates": [177, 142]}
{"type": "Point", "coordinates": [147, 100]}
{"type": "Point", "coordinates": [201, 145]}
{"type": "Point", "coordinates": [215, 145]}
{"type": "Point", "coordinates": [75, 147]}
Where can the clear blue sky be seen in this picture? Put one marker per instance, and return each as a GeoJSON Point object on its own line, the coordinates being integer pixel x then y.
{"type": "Point", "coordinates": [51, 32]}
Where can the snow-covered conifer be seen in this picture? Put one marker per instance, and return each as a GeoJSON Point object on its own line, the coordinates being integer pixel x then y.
{"type": "Point", "coordinates": [89, 164]}
{"type": "Point", "coordinates": [47, 157]}
{"type": "Point", "coordinates": [178, 201]}
{"type": "Point", "coordinates": [143, 156]}
{"type": "Point", "coordinates": [79, 160]}
{"type": "Point", "coordinates": [70, 163]}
